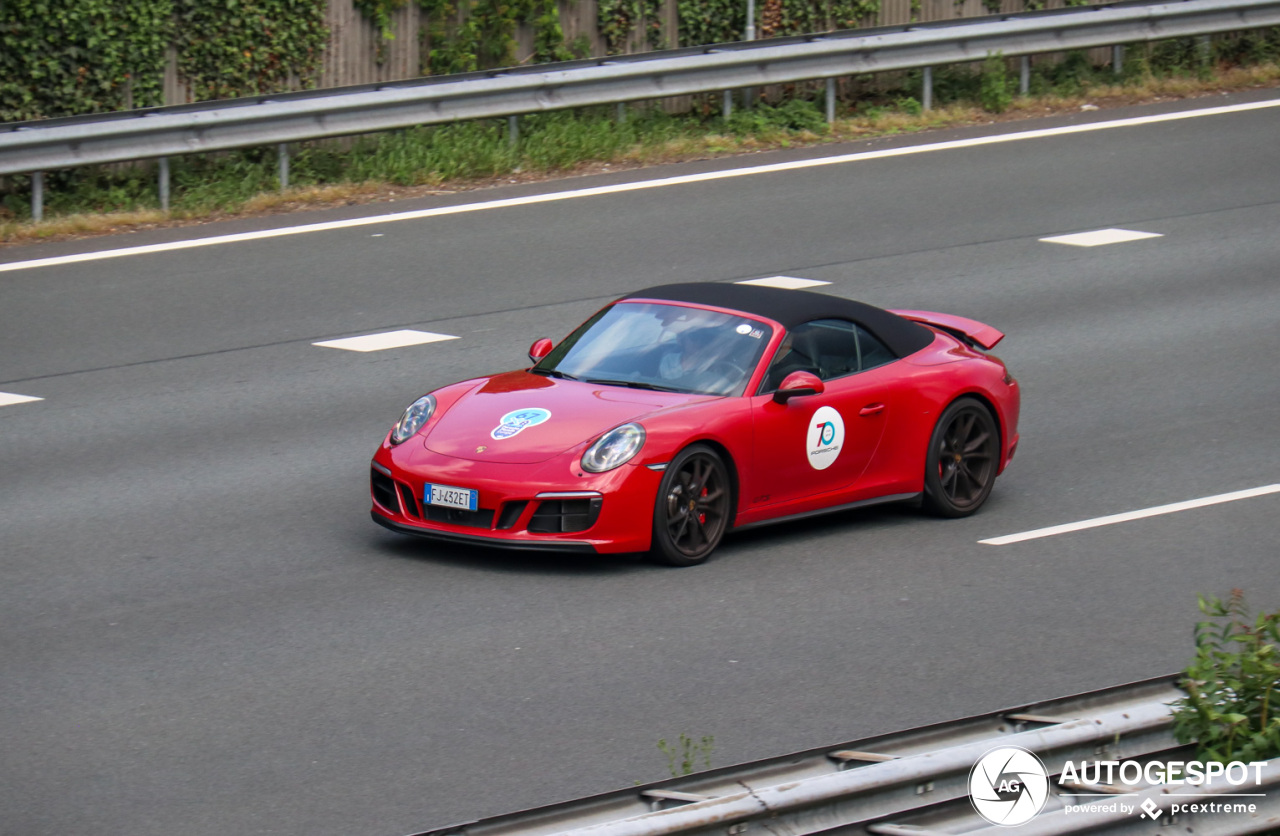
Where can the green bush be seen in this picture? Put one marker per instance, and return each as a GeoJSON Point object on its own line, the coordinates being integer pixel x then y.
{"type": "Point", "coordinates": [1068, 77]}
{"type": "Point", "coordinates": [909, 105]}
{"type": "Point", "coordinates": [1253, 47]}
{"type": "Point", "coordinates": [1233, 685]}
{"type": "Point", "coordinates": [794, 115]}
{"type": "Point", "coordinates": [996, 92]}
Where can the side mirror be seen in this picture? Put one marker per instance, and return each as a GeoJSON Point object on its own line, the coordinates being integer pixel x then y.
{"type": "Point", "coordinates": [541, 348]}
{"type": "Point", "coordinates": [798, 384]}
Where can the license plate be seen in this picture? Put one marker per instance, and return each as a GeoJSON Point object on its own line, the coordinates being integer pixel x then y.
{"type": "Point", "coordinates": [451, 497]}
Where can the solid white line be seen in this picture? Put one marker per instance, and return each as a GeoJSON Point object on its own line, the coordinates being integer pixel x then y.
{"type": "Point", "coordinates": [1131, 515]}
{"type": "Point", "coordinates": [639, 186]}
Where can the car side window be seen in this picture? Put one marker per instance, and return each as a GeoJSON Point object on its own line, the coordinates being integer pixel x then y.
{"type": "Point", "coordinates": [825, 347]}
{"type": "Point", "coordinates": [828, 348]}
{"type": "Point", "coordinates": [871, 351]}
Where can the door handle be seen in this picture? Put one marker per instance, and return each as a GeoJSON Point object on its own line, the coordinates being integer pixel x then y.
{"type": "Point", "coordinates": [871, 409]}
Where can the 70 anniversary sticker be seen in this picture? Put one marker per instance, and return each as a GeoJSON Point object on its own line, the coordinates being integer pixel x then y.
{"type": "Point", "coordinates": [826, 437]}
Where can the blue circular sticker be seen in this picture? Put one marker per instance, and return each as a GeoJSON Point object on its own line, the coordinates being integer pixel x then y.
{"type": "Point", "coordinates": [517, 420]}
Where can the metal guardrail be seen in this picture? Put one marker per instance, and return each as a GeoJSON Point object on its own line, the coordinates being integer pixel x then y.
{"type": "Point", "coordinates": [912, 783]}
{"type": "Point", "coordinates": [267, 120]}
{"type": "Point", "coordinates": [34, 147]}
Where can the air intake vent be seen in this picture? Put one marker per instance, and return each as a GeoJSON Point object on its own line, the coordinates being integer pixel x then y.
{"type": "Point", "coordinates": [383, 490]}
{"type": "Point", "coordinates": [557, 516]}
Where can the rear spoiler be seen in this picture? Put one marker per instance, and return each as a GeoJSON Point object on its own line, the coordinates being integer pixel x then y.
{"type": "Point", "coordinates": [969, 330]}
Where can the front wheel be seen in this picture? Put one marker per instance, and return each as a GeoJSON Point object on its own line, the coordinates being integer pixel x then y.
{"type": "Point", "coordinates": [964, 455]}
{"type": "Point", "coordinates": [692, 509]}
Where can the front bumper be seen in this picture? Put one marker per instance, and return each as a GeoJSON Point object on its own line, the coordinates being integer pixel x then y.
{"type": "Point", "coordinates": [550, 506]}
{"type": "Point", "coordinates": [558, 546]}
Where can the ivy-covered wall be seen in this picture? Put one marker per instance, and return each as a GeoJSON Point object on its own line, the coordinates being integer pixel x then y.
{"type": "Point", "coordinates": [229, 48]}
{"type": "Point", "coordinates": [63, 57]}
{"type": "Point", "coordinates": [720, 21]}
{"type": "Point", "coordinates": [67, 57]}
{"type": "Point", "coordinates": [468, 35]}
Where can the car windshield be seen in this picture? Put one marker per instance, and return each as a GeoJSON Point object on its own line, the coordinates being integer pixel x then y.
{"type": "Point", "coordinates": [647, 345]}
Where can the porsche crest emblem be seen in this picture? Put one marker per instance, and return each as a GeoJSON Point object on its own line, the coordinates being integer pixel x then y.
{"type": "Point", "coordinates": [481, 448]}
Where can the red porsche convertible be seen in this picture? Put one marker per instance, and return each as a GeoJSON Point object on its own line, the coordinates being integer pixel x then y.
{"type": "Point", "coordinates": [681, 412]}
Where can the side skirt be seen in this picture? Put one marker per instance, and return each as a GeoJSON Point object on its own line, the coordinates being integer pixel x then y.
{"type": "Point", "coordinates": [862, 503]}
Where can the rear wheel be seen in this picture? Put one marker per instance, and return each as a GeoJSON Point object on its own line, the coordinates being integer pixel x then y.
{"type": "Point", "coordinates": [692, 509]}
{"type": "Point", "coordinates": [964, 455]}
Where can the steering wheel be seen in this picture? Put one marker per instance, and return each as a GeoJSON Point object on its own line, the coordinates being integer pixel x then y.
{"type": "Point", "coordinates": [722, 373]}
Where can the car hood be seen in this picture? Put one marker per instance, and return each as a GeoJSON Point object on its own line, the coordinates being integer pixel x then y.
{"type": "Point", "coordinates": [524, 418]}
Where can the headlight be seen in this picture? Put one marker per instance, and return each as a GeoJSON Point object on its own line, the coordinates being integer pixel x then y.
{"type": "Point", "coordinates": [615, 448]}
{"type": "Point", "coordinates": [418, 413]}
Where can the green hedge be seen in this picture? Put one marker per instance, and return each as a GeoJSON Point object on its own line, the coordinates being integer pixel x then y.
{"type": "Point", "coordinates": [229, 48]}
{"type": "Point", "coordinates": [67, 57]}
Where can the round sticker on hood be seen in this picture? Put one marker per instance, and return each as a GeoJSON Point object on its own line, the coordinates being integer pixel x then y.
{"type": "Point", "coordinates": [515, 421]}
{"type": "Point", "coordinates": [825, 438]}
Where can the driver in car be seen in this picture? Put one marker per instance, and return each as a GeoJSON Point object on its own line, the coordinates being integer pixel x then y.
{"type": "Point", "coordinates": [691, 356]}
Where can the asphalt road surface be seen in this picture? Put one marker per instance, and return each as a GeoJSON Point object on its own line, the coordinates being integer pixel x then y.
{"type": "Point", "coordinates": [202, 633]}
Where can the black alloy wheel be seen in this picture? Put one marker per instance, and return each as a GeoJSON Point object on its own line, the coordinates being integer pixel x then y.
{"type": "Point", "coordinates": [692, 509]}
{"type": "Point", "coordinates": [964, 455]}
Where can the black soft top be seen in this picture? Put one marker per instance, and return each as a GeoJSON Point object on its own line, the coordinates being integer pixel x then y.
{"type": "Point", "coordinates": [790, 308]}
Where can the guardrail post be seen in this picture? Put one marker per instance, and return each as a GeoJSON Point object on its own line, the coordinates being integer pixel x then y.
{"type": "Point", "coordinates": [622, 112]}
{"type": "Point", "coordinates": [37, 196]}
{"type": "Point", "coordinates": [727, 108]}
{"type": "Point", "coordinates": [164, 184]}
{"type": "Point", "coordinates": [282, 153]}
{"type": "Point", "coordinates": [1117, 59]}
{"type": "Point", "coordinates": [831, 100]}
{"type": "Point", "coordinates": [513, 130]}
{"type": "Point", "coordinates": [749, 94]}
{"type": "Point", "coordinates": [926, 95]}
{"type": "Point", "coordinates": [1024, 77]}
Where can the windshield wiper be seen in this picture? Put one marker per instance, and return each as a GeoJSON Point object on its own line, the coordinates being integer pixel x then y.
{"type": "Point", "coordinates": [553, 373]}
{"type": "Point", "coordinates": [634, 384]}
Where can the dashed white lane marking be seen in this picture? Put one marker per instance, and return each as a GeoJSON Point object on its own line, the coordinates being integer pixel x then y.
{"type": "Point", "coordinates": [9, 399]}
{"type": "Point", "coordinates": [551, 197]}
{"type": "Point", "coordinates": [1131, 515]}
{"type": "Point", "coordinates": [385, 340]}
{"type": "Point", "coordinates": [1101, 237]}
{"type": "Point", "coordinates": [784, 282]}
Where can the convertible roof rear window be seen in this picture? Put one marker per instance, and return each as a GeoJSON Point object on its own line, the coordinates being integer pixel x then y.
{"type": "Point", "coordinates": [792, 307]}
